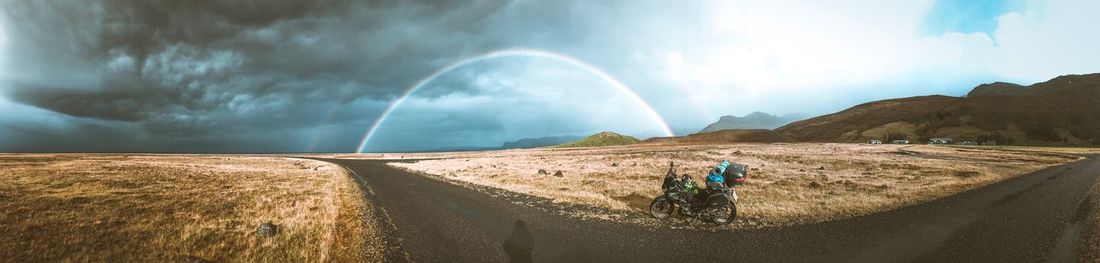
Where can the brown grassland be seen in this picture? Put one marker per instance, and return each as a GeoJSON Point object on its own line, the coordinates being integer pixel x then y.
{"type": "Point", "coordinates": [153, 208]}
{"type": "Point", "coordinates": [110, 207]}
{"type": "Point", "coordinates": [788, 183]}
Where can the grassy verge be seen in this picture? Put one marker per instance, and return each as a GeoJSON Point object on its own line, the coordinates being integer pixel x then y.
{"type": "Point", "coordinates": [85, 207]}
{"type": "Point", "coordinates": [1089, 214]}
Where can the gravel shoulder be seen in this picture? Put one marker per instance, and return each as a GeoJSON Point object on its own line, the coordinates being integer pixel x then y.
{"type": "Point", "coordinates": [1087, 222]}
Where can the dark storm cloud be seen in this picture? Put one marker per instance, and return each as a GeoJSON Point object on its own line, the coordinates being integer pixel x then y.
{"type": "Point", "coordinates": [179, 70]}
{"type": "Point", "coordinates": [200, 67]}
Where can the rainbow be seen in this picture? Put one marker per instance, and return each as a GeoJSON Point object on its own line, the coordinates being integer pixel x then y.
{"type": "Point", "coordinates": [513, 53]}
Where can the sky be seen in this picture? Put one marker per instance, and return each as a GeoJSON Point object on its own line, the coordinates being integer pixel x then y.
{"type": "Point", "coordinates": [317, 76]}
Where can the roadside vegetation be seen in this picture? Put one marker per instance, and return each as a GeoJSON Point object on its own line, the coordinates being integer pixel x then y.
{"type": "Point", "coordinates": [158, 208]}
{"type": "Point", "coordinates": [788, 183]}
{"type": "Point", "coordinates": [1088, 216]}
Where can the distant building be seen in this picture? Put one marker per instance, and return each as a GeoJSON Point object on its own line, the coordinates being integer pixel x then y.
{"type": "Point", "coordinates": [939, 141]}
{"type": "Point", "coordinates": [874, 141]}
{"type": "Point", "coordinates": [968, 143]}
{"type": "Point", "coordinates": [900, 142]}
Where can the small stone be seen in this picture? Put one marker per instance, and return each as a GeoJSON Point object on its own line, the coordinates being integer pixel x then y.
{"type": "Point", "coordinates": [267, 229]}
{"type": "Point", "coordinates": [614, 164]}
{"type": "Point", "coordinates": [195, 259]}
{"type": "Point", "coordinates": [802, 170]}
{"type": "Point", "coordinates": [821, 168]}
{"type": "Point", "coordinates": [815, 184]}
{"type": "Point", "coordinates": [559, 174]}
{"type": "Point", "coordinates": [737, 152]}
{"type": "Point", "coordinates": [543, 172]}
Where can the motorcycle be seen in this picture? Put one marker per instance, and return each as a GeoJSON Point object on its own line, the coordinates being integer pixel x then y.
{"type": "Point", "coordinates": [716, 204]}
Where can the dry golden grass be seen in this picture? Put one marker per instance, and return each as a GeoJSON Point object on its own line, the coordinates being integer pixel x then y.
{"type": "Point", "coordinates": [788, 183]}
{"type": "Point", "coordinates": [1065, 150]}
{"type": "Point", "coordinates": [155, 208]}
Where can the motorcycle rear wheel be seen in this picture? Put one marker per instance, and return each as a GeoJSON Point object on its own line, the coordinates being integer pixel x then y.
{"type": "Point", "coordinates": [661, 207]}
{"type": "Point", "coordinates": [721, 214]}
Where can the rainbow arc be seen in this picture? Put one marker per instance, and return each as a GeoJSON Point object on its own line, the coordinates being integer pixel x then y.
{"type": "Point", "coordinates": [535, 53]}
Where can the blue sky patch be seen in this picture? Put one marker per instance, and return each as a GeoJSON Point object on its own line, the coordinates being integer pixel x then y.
{"type": "Point", "coordinates": [967, 16]}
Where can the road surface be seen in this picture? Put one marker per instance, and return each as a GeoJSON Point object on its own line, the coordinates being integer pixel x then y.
{"type": "Point", "coordinates": [1030, 218]}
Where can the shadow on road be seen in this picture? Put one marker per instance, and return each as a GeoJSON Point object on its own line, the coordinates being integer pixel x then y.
{"type": "Point", "coordinates": [520, 245]}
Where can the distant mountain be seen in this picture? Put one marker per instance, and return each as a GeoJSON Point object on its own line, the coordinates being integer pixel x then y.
{"type": "Point", "coordinates": [539, 142]}
{"type": "Point", "coordinates": [602, 139]}
{"type": "Point", "coordinates": [724, 136]}
{"type": "Point", "coordinates": [755, 120]}
{"type": "Point", "coordinates": [451, 149]}
{"type": "Point", "coordinates": [1064, 110]}
{"type": "Point", "coordinates": [997, 89]}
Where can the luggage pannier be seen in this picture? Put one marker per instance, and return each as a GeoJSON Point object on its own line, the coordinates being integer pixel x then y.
{"type": "Point", "coordinates": [736, 174]}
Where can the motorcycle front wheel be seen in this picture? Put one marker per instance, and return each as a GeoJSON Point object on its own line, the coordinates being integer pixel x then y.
{"type": "Point", "coordinates": [661, 207]}
{"type": "Point", "coordinates": [721, 214]}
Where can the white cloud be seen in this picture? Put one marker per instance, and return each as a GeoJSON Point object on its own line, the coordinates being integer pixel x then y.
{"type": "Point", "coordinates": [1058, 37]}
{"type": "Point", "coordinates": [827, 55]}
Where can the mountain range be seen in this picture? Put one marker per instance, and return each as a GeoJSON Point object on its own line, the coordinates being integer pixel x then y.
{"type": "Point", "coordinates": [755, 120]}
{"type": "Point", "coordinates": [1061, 111]}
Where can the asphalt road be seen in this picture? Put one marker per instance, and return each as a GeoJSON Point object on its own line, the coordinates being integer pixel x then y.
{"type": "Point", "coordinates": [1031, 218]}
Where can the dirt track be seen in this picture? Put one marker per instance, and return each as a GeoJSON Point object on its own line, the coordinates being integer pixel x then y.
{"type": "Point", "coordinates": [1027, 219]}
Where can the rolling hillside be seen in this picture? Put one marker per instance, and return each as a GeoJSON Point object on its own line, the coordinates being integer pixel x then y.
{"type": "Point", "coordinates": [539, 142]}
{"type": "Point", "coordinates": [1064, 110]}
{"type": "Point", "coordinates": [602, 139]}
{"type": "Point", "coordinates": [724, 136]}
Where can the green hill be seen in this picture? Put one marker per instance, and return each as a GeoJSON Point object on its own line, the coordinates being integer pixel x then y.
{"type": "Point", "coordinates": [602, 139]}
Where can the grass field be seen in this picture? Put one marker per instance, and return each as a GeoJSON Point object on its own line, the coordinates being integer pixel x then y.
{"type": "Point", "coordinates": [788, 183]}
{"type": "Point", "coordinates": [157, 208]}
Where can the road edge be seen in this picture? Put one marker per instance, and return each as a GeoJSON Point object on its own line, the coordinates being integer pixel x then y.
{"type": "Point", "coordinates": [1087, 218]}
{"type": "Point", "coordinates": [390, 247]}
